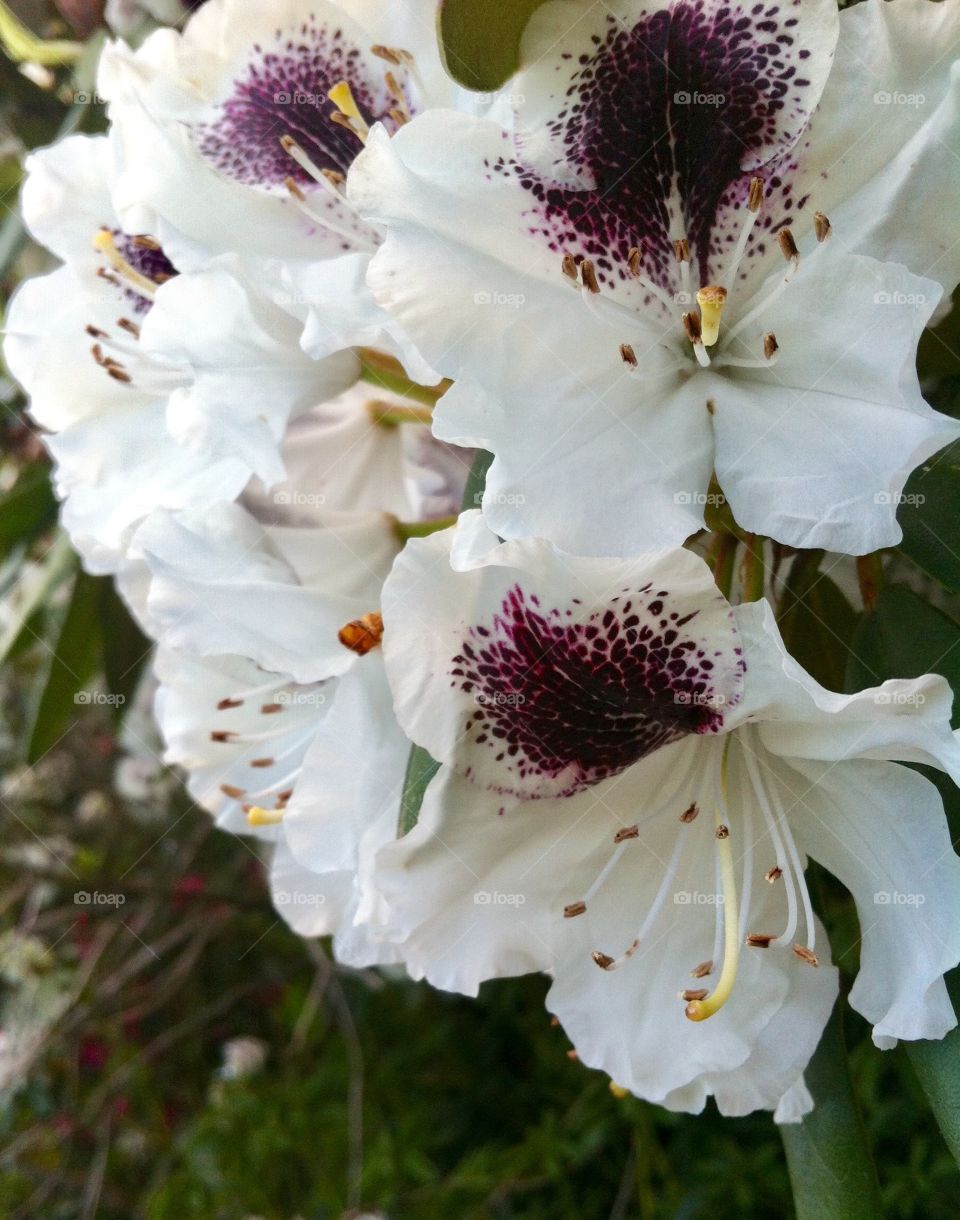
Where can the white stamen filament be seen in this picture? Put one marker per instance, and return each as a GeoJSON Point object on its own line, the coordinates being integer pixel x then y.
{"type": "Point", "coordinates": [798, 869]}
{"type": "Point", "coordinates": [669, 877]}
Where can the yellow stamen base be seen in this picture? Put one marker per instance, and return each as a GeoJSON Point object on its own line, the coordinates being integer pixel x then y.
{"type": "Point", "coordinates": [711, 300]}
{"type": "Point", "coordinates": [104, 244]}
{"type": "Point", "coordinates": [342, 97]}
{"type": "Point", "coordinates": [256, 816]}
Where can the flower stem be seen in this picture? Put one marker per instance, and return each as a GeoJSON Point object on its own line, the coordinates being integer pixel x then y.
{"type": "Point", "coordinates": [752, 569]}
{"type": "Point", "coordinates": [722, 558]}
{"type": "Point", "coordinates": [386, 373]}
{"type": "Point", "coordinates": [422, 529]}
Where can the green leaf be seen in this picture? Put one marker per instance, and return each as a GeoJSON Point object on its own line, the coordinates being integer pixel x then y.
{"type": "Point", "coordinates": [817, 621]}
{"type": "Point", "coordinates": [28, 507]}
{"type": "Point", "coordinates": [930, 517]}
{"type": "Point", "coordinates": [73, 660]}
{"type": "Point", "coordinates": [55, 567]}
{"type": "Point", "coordinates": [831, 1169]}
{"type": "Point", "coordinates": [421, 769]}
{"type": "Point", "coordinates": [904, 637]}
{"type": "Point", "coordinates": [480, 39]}
{"type": "Point", "coordinates": [937, 1065]}
{"type": "Point", "coordinates": [125, 650]}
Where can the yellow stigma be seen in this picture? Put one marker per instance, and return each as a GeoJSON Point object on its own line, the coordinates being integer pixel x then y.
{"type": "Point", "coordinates": [699, 1010]}
{"type": "Point", "coordinates": [711, 301]}
{"type": "Point", "coordinates": [256, 816]}
{"type": "Point", "coordinates": [342, 97]}
{"type": "Point", "coordinates": [104, 244]}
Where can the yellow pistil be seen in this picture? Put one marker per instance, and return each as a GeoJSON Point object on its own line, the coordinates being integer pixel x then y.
{"type": "Point", "coordinates": [257, 816]}
{"type": "Point", "coordinates": [711, 300]}
{"type": "Point", "coordinates": [104, 244]}
{"type": "Point", "coordinates": [699, 1010]}
{"type": "Point", "coordinates": [342, 97]}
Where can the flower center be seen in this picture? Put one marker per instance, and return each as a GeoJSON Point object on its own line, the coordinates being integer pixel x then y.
{"type": "Point", "coordinates": [734, 848]}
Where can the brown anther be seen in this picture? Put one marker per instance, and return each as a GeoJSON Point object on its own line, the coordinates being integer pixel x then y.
{"type": "Point", "coordinates": [759, 940]}
{"type": "Point", "coordinates": [343, 120]}
{"type": "Point", "coordinates": [118, 374]}
{"type": "Point", "coordinates": [755, 195]}
{"type": "Point", "coordinates": [691, 324]}
{"type": "Point", "coordinates": [573, 1056]}
{"type": "Point", "coordinates": [130, 327]}
{"type": "Point", "coordinates": [628, 832]}
{"type": "Point", "coordinates": [681, 250]}
{"type": "Point", "coordinates": [711, 406]}
{"type": "Point", "coordinates": [722, 832]}
{"type": "Point", "coordinates": [554, 1022]}
{"type": "Point", "coordinates": [225, 704]}
{"type": "Point", "coordinates": [287, 143]}
{"type": "Point", "coordinates": [701, 971]}
{"type": "Point", "coordinates": [569, 265]}
{"type": "Point", "coordinates": [589, 276]}
{"type": "Point", "coordinates": [270, 709]}
{"type": "Point", "coordinates": [233, 791]}
{"type": "Point", "coordinates": [691, 812]}
{"type": "Point", "coordinates": [145, 242]}
{"type": "Point", "coordinates": [694, 993]}
{"type": "Point", "coordinates": [573, 909]}
{"type": "Point", "coordinates": [261, 762]}
{"type": "Point", "coordinates": [363, 634]}
{"type": "Point", "coordinates": [222, 736]}
{"type": "Point", "coordinates": [806, 955]}
{"type": "Point", "coordinates": [334, 177]}
{"type": "Point", "coordinates": [284, 796]}
{"type": "Point", "coordinates": [393, 55]}
{"type": "Point", "coordinates": [394, 89]}
{"type": "Point", "coordinates": [603, 960]}
{"type": "Point", "coordinates": [770, 345]}
{"type": "Point", "coordinates": [634, 260]}
{"type": "Point", "coordinates": [773, 874]}
{"type": "Point", "coordinates": [96, 333]}
{"type": "Point", "coordinates": [821, 226]}
{"type": "Point", "coordinates": [294, 190]}
{"type": "Point", "coordinates": [628, 355]}
{"type": "Point", "coordinates": [788, 247]}
{"type": "Point", "coordinates": [400, 117]}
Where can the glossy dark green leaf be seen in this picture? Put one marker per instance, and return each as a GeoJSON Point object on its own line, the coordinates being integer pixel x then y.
{"type": "Point", "coordinates": [817, 621]}
{"type": "Point", "coordinates": [831, 1168]}
{"type": "Point", "coordinates": [73, 660]}
{"type": "Point", "coordinates": [937, 1065]}
{"type": "Point", "coordinates": [28, 507]}
{"type": "Point", "coordinates": [55, 567]}
{"type": "Point", "coordinates": [930, 517]}
{"type": "Point", "coordinates": [904, 637]}
{"type": "Point", "coordinates": [480, 39]}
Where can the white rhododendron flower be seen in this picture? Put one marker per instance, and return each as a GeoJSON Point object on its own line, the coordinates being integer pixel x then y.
{"type": "Point", "coordinates": [273, 696]}
{"type": "Point", "coordinates": [144, 377]}
{"type": "Point", "coordinates": [634, 774]}
{"type": "Point", "coordinates": [237, 134]}
{"type": "Point", "coordinates": [707, 247]}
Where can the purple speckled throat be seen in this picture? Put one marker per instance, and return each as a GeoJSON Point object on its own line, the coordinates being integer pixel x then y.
{"type": "Point", "coordinates": [563, 693]}
{"type": "Point", "coordinates": [145, 257]}
{"type": "Point", "coordinates": [672, 109]}
{"type": "Point", "coordinates": [283, 91]}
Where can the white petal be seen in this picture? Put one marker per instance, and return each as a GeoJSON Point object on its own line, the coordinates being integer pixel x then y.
{"type": "Point", "coordinates": [537, 673]}
{"type": "Point", "coordinates": [881, 830]}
